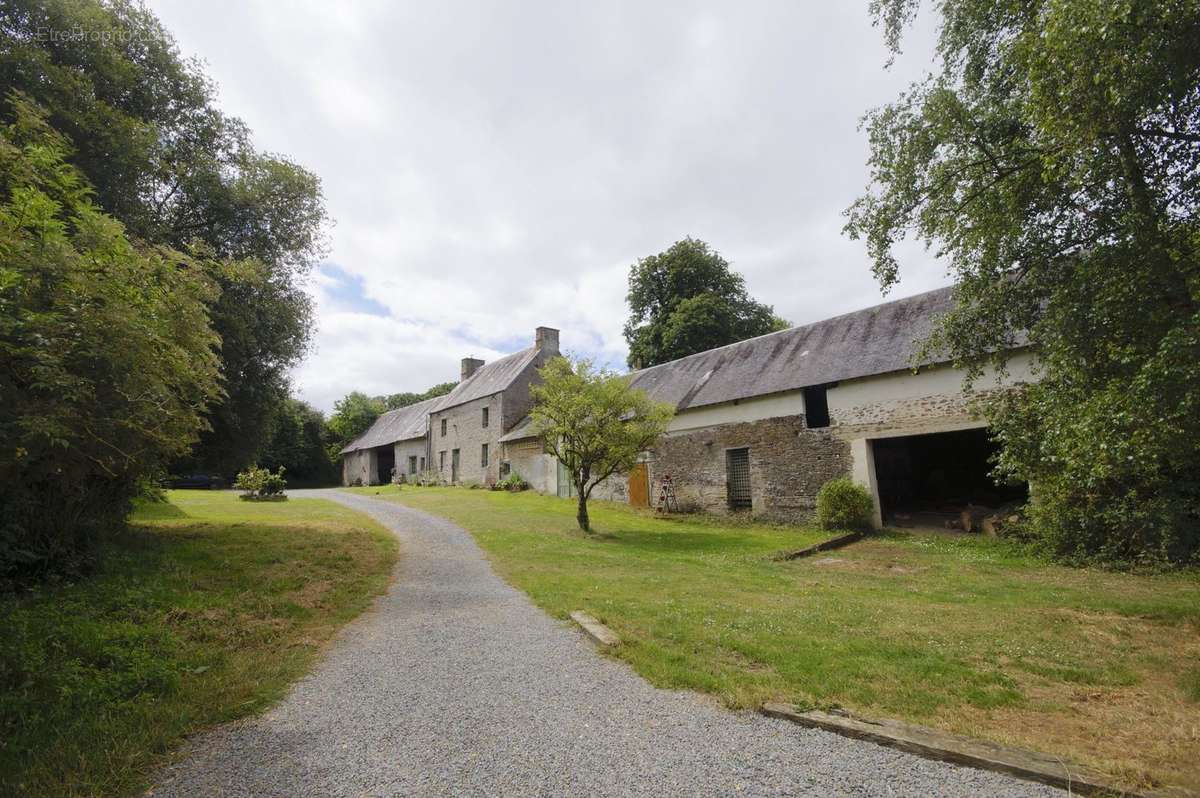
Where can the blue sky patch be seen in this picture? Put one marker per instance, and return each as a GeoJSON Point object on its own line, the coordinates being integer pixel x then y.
{"type": "Point", "coordinates": [348, 292]}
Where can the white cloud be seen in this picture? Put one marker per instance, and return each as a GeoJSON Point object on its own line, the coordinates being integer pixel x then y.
{"type": "Point", "coordinates": [493, 167]}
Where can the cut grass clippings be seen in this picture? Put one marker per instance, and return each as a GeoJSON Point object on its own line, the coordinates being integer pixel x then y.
{"type": "Point", "coordinates": [963, 633]}
{"type": "Point", "coordinates": [203, 612]}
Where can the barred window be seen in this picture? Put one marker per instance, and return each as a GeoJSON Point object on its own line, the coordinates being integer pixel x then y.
{"type": "Point", "coordinates": [737, 475]}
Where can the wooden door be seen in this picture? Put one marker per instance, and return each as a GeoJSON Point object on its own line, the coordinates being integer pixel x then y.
{"type": "Point", "coordinates": [639, 486]}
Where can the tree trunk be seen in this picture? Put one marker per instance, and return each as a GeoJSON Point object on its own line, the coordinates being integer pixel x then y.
{"type": "Point", "coordinates": [582, 515]}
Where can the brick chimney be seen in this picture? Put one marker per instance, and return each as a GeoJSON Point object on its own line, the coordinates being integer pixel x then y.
{"type": "Point", "coordinates": [546, 338]}
{"type": "Point", "coordinates": [470, 365]}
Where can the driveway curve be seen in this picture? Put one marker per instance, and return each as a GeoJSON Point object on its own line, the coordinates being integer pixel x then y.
{"type": "Point", "coordinates": [454, 683]}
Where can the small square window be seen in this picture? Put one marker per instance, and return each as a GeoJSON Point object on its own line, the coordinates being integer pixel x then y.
{"type": "Point", "coordinates": [483, 456]}
{"type": "Point", "coordinates": [816, 407]}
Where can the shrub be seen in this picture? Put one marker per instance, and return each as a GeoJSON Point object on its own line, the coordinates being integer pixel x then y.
{"type": "Point", "coordinates": [513, 482]}
{"type": "Point", "coordinates": [844, 504]}
{"type": "Point", "coordinates": [109, 357]}
{"type": "Point", "coordinates": [259, 484]}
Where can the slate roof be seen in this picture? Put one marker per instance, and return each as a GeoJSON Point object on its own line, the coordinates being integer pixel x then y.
{"type": "Point", "coordinates": [522, 431]}
{"type": "Point", "coordinates": [489, 378]}
{"type": "Point", "coordinates": [874, 340]}
{"type": "Point", "coordinates": [402, 424]}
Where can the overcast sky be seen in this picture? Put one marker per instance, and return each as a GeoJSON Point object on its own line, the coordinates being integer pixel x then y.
{"type": "Point", "coordinates": [493, 167]}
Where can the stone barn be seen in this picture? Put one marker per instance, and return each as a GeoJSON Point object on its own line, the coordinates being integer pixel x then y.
{"type": "Point", "coordinates": [397, 443]}
{"type": "Point", "coordinates": [763, 423]}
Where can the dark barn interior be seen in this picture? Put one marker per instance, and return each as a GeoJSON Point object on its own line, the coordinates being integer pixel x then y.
{"type": "Point", "coordinates": [927, 478]}
{"type": "Point", "coordinates": [386, 458]}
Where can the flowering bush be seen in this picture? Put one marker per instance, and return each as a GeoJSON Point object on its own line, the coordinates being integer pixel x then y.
{"type": "Point", "coordinates": [259, 484]}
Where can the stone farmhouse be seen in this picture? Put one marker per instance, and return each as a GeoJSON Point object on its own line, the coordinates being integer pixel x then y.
{"type": "Point", "coordinates": [457, 435]}
{"type": "Point", "coordinates": [760, 425]}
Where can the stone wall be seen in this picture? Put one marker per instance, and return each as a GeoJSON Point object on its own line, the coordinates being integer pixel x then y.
{"type": "Point", "coordinates": [788, 465]}
{"type": "Point", "coordinates": [465, 432]}
{"type": "Point", "coordinates": [405, 450]}
{"type": "Point", "coordinates": [537, 468]}
{"type": "Point", "coordinates": [358, 466]}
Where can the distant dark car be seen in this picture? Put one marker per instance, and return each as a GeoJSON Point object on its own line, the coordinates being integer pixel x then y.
{"type": "Point", "coordinates": [208, 481]}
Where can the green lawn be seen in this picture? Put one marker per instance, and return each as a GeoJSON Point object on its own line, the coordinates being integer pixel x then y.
{"type": "Point", "coordinates": [958, 632]}
{"type": "Point", "coordinates": [205, 611]}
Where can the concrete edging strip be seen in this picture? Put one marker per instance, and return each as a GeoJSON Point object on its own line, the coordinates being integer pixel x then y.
{"type": "Point", "coordinates": [595, 630]}
{"type": "Point", "coordinates": [824, 545]}
{"type": "Point", "coordinates": [934, 744]}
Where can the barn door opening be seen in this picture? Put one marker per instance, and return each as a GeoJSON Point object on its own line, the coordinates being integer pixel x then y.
{"type": "Point", "coordinates": [737, 478]}
{"type": "Point", "coordinates": [386, 461]}
{"type": "Point", "coordinates": [929, 480]}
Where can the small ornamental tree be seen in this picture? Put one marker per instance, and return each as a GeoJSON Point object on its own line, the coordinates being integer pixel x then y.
{"type": "Point", "coordinates": [594, 422]}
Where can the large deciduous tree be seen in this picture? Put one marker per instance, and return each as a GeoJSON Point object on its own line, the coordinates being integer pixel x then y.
{"type": "Point", "coordinates": [686, 300]}
{"type": "Point", "coordinates": [594, 422]}
{"type": "Point", "coordinates": [297, 444]}
{"type": "Point", "coordinates": [178, 172]}
{"type": "Point", "coordinates": [109, 358]}
{"type": "Point", "coordinates": [1054, 161]}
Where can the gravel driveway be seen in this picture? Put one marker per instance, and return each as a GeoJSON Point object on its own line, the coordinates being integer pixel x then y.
{"type": "Point", "coordinates": [456, 684]}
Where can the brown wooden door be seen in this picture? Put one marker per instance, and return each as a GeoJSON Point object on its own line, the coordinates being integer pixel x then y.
{"type": "Point", "coordinates": [639, 486]}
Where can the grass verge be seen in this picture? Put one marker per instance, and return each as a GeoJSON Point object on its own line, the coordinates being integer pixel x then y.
{"type": "Point", "coordinates": [203, 612]}
{"type": "Point", "coordinates": [959, 632]}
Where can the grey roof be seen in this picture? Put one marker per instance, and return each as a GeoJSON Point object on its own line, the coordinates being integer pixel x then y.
{"type": "Point", "coordinates": [402, 424]}
{"type": "Point", "coordinates": [874, 340]}
{"type": "Point", "coordinates": [489, 378]}
{"type": "Point", "coordinates": [522, 431]}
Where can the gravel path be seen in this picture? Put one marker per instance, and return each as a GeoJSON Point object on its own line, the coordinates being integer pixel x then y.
{"type": "Point", "coordinates": [455, 684]}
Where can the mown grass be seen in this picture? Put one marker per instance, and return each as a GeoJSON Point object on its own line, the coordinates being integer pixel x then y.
{"type": "Point", "coordinates": [205, 611]}
{"type": "Point", "coordinates": [958, 632]}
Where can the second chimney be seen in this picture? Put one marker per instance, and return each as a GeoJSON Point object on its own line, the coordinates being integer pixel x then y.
{"type": "Point", "coordinates": [470, 365]}
{"type": "Point", "coordinates": [546, 338]}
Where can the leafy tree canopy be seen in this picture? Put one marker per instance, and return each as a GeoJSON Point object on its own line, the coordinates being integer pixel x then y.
{"type": "Point", "coordinates": [406, 398]}
{"type": "Point", "coordinates": [353, 415]}
{"type": "Point", "coordinates": [297, 444]}
{"type": "Point", "coordinates": [594, 422]}
{"type": "Point", "coordinates": [1054, 161]}
{"type": "Point", "coordinates": [109, 356]}
{"type": "Point", "coordinates": [177, 172]}
{"type": "Point", "coordinates": [686, 300]}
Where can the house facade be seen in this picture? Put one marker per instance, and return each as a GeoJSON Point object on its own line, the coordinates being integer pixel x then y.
{"type": "Point", "coordinates": [762, 424]}
{"type": "Point", "coordinates": [456, 435]}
